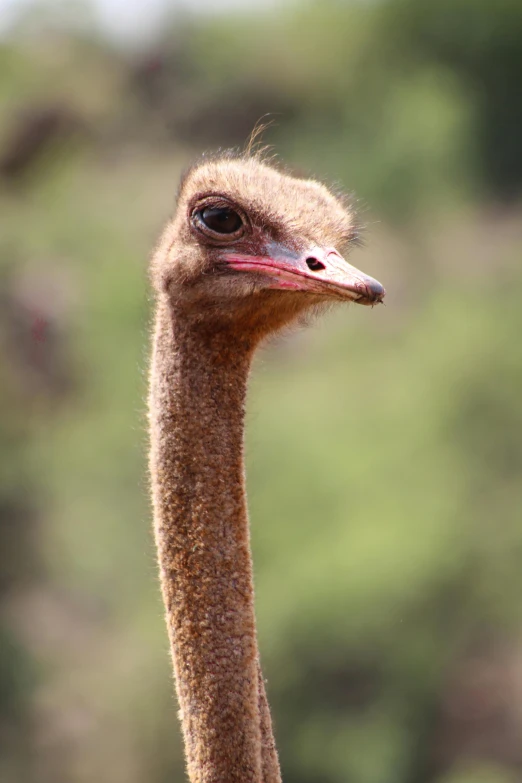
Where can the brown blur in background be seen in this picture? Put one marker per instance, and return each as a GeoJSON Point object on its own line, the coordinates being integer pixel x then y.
{"type": "Point", "coordinates": [384, 446]}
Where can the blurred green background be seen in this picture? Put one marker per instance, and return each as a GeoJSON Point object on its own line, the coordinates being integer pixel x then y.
{"type": "Point", "coordinates": [384, 446]}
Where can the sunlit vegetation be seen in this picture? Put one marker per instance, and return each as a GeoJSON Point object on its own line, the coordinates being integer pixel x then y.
{"type": "Point", "coordinates": [384, 446]}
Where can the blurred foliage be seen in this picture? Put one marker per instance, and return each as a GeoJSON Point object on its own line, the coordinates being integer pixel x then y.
{"type": "Point", "coordinates": [384, 450]}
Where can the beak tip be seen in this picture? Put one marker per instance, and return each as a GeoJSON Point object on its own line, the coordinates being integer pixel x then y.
{"type": "Point", "coordinates": [373, 292]}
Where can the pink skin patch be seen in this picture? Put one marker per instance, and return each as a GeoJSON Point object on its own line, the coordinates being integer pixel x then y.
{"type": "Point", "coordinates": [319, 270]}
{"type": "Point", "coordinates": [283, 276]}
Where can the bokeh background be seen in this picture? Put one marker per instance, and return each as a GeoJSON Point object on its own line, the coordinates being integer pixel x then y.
{"type": "Point", "coordinates": [384, 446]}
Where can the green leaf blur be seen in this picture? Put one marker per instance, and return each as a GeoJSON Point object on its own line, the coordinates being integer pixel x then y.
{"type": "Point", "coordinates": [384, 446]}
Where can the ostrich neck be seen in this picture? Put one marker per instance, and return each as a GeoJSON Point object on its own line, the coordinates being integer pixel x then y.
{"type": "Point", "coordinates": [197, 398]}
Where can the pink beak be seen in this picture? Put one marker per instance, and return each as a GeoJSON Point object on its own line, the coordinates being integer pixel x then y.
{"type": "Point", "coordinates": [317, 271]}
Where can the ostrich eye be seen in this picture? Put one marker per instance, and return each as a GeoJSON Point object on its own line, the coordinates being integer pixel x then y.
{"type": "Point", "coordinates": [222, 220]}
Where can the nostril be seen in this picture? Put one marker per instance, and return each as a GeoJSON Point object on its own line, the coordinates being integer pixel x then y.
{"type": "Point", "coordinates": [314, 264]}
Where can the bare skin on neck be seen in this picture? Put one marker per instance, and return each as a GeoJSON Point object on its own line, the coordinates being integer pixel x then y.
{"type": "Point", "coordinates": [249, 250]}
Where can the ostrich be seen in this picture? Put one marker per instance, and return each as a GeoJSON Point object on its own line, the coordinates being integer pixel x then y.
{"type": "Point", "coordinates": [249, 250]}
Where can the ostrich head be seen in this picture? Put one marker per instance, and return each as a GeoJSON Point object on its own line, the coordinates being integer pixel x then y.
{"type": "Point", "coordinates": [252, 247]}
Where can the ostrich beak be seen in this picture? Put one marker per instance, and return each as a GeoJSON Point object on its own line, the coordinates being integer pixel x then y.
{"type": "Point", "coordinates": [317, 270]}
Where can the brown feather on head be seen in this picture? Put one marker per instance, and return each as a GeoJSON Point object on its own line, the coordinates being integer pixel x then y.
{"type": "Point", "coordinates": [253, 245]}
